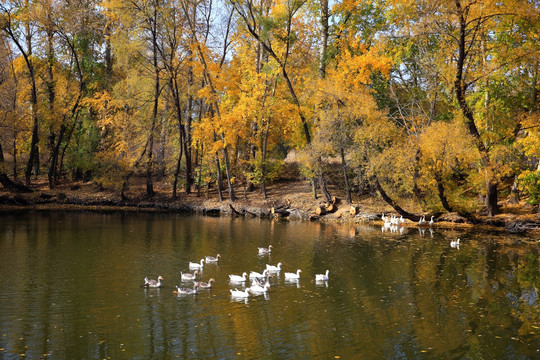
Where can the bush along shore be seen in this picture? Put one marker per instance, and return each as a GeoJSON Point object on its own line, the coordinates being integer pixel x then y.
{"type": "Point", "coordinates": [290, 200]}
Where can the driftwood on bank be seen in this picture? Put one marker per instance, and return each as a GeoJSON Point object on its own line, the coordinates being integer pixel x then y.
{"type": "Point", "coordinates": [522, 226]}
{"type": "Point", "coordinates": [242, 212]}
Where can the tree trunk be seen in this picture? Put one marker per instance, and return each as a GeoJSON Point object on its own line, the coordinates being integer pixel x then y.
{"type": "Point", "coordinates": [7, 183]}
{"type": "Point", "coordinates": [416, 175]}
{"type": "Point", "coordinates": [173, 83]}
{"type": "Point", "coordinates": [322, 184]}
{"type": "Point", "coordinates": [442, 196]}
{"type": "Point", "coordinates": [392, 203]}
{"type": "Point", "coordinates": [160, 156]}
{"type": "Point", "coordinates": [210, 83]}
{"type": "Point", "coordinates": [218, 179]}
{"type": "Point", "coordinates": [324, 38]}
{"type": "Point", "coordinates": [55, 152]}
{"type": "Point", "coordinates": [108, 57]}
{"type": "Point", "coordinates": [27, 56]}
{"type": "Point", "coordinates": [491, 198]}
{"type": "Point", "coordinates": [232, 196]}
{"type": "Point", "coordinates": [150, 161]}
{"type": "Point", "coordinates": [460, 88]}
{"type": "Point", "coordinates": [15, 173]}
{"type": "Point", "coordinates": [178, 166]}
{"type": "Point", "coordinates": [514, 193]}
{"type": "Point", "coordinates": [345, 176]}
{"type": "Point", "coordinates": [187, 131]}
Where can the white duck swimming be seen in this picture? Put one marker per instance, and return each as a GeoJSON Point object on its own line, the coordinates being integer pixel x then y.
{"type": "Point", "coordinates": [454, 244]}
{"type": "Point", "coordinates": [267, 250]}
{"type": "Point", "coordinates": [193, 265]}
{"type": "Point", "coordinates": [152, 282]}
{"type": "Point", "coordinates": [240, 293]}
{"type": "Point", "coordinates": [272, 268]}
{"type": "Point", "coordinates": [188, 276]}
{"type": "Point", "coordinates": [256, 288]}
{"type": "Point", "coordinates": [293, 276]}
{"type": "Point", "coordinates": [212, 259]}
{"type": "Point", "coordinates": [186, 290]}
{"type": "Point", "coordinates": [238, 278]}
{"type": "Point", "coordinates": [322, 277]}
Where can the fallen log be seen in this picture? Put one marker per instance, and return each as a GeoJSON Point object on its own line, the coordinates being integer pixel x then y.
{"type": "Point", "coordinates": [331, 208]}
{"type": "Point", "coordinates": [9, 184]}
{"type": "Point", "coordinates": [280, 212]}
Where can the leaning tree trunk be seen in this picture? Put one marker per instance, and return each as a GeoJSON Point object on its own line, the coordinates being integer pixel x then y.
{"type": "Point", "coordinates": [393, 204]}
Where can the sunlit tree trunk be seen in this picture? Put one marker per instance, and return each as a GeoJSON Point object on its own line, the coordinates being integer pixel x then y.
{"type": "Point", "coordinates": [324, 38]}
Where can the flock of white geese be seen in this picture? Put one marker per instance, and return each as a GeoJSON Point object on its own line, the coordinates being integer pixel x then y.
{"type": "Point", "coordinates": [395, 222]}
{"type": "Point", "coordinates": [260, 282]}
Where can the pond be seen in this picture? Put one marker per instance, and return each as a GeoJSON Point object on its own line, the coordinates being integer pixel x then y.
{"type": "Point", "coordinates": [72, 290]}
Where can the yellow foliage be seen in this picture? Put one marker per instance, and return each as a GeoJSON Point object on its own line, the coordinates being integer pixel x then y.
{"type": "Point", "coordinates": [530, 141]}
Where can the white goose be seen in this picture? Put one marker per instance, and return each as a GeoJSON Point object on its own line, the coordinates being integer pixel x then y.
{"type": "Point", "coordinates": [186, 291]}
{"type": "Point", "coordinates": [212, 259]}
{"type": "Point", "coordinates": [431, 222]}
{"type": "Point", "coordinates": [322, 277]}
{"type": "Point", "coordinates": [272, 268]}
{"type": "Point", "coordinates": [240, 293]}
{"type": "Point", "coordinates": [152, 282]}
{"type": "Point", "coordinates": [193, 265]}
{"type": "Point", "coordinates": [267, 250]}
{"type": "Point", "coordinates": [254, 274]}
{"type": "Point", "coordinates": [256, 288]}
{"type": "Point", "coordinates": [293, 276]}
{"type": "Point", "coordinates": [454, 244]}
{"type": "Point", "coordinates": [422, 220]}
{"type": "Point", "coordinates": [188, 276]}
{"type": "Point", "coordinates": [238, 278]}
{"type": "Point", "coordinates": [205, 285]}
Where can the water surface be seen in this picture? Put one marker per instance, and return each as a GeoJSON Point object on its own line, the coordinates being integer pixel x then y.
{"type": "Point", "coordinates": [71, 290]}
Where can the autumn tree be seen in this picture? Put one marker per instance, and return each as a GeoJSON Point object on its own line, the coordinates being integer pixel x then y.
{"type": "Point", "coordinates": [18, 25]}
{"type": "Point", "coordinates": [473, 36]}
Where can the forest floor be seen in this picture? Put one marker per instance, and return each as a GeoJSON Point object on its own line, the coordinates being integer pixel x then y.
{"type": "Point", "coordinates": [293, 199]}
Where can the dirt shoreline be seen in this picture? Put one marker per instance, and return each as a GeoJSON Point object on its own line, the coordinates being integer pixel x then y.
{"type": "Point", "coordinates": [289, 200]}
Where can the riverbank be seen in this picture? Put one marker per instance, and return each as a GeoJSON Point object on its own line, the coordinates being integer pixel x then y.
{"type": "Point", "coordinates": [291, 199]}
